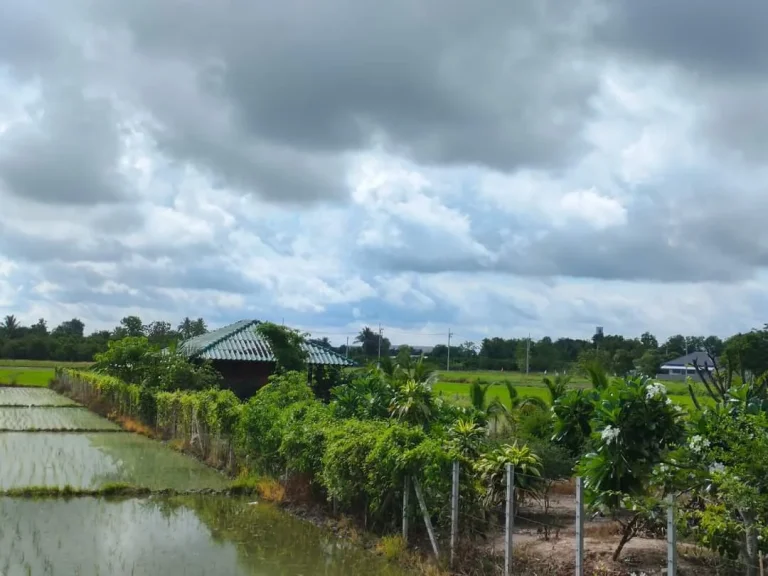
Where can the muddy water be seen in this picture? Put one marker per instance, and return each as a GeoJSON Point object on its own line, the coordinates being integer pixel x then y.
{"type": "Point", "coordinates": [188, 536]}
{"type": "Point", "coordinates": [180, 536]}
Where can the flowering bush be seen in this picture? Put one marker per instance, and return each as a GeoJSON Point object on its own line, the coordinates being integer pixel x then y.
{"type": "Point", "coordinates": [634, 426]}
{"type": "Point", "coordinates": [724, 466]}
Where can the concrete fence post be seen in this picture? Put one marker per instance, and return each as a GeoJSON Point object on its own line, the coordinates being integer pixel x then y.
{"type": "Point", "coordinates": [406, 491]}
{"type": "Point", "coordinates": [454, 511]}
{"type": "Point", "coordinates": [510, 520]}
{"type": "Point", "coordinates": [671, 537]}
{"type": "Point", "coordinates": [579, 527]}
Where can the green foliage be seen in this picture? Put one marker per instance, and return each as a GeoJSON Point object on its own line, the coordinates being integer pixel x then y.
{"type": "Point", "coordinates": [264, 415]}
{"type": "Point", "coordinates": [135, 361]}
{"type": "Point", "coordinates": [536, 423]}
{"type": "Point", "coordinates": [557, 387]}
{"type": "Point", "coordinates": [287, 345]}
{"type": "Point", "coordinates": [305, 430]}
{"type": "Point", "coordinates": [367, 396]}
{"type": "Point", "coordinates": [573, 419]}
{"type": "Point", "coordinates": [132, 360]}
{"type": "Point", "coordinates": [466, 438]}
{"type": "Point", "coordinates": [492, 470]}
{"type": "Point", "coordinates": [649, 364]}
{"type": "Point", "coordinates": [726, 468]}
{"type": "Point", "coordinates": [365, 463]}
{"type": "Point", "coordinates": [635, 426]}
{"type": "Point", "coordinates": [413, 403]}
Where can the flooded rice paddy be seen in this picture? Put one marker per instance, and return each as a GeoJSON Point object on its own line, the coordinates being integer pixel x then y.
{"type": "Point", "coordinates": [188, 536]}
{"type": "Point", "coordinates": [50, 418]}
{"type": "Point", "coordinates": [32, 397]}
{"type": "Point", "coordinates": [173, 536]}
{"type": "Point", "coordinates": [94, 460]}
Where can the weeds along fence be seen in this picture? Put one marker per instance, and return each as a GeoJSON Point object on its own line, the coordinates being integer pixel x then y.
{"type": "Point", "coordinates": [203, 423]}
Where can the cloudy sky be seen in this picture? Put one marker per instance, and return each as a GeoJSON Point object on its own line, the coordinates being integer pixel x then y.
{"type": "Point", "coordinates": [494, 167]}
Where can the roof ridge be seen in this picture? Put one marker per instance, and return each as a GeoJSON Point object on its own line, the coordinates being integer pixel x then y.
{"type": "Point", "coordinates": [227, 335]}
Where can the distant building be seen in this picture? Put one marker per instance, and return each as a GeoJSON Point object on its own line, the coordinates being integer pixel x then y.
{"type": "Point", "coordinates": [681, 368]}
{"type": "Point", "coordinates": [245, 359]}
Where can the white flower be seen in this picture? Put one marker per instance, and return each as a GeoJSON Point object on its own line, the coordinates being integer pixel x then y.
{"type": "Point", "coordinates": [696, 443]}
{"type": "Point", "coordinates": [654, 390]}
{"type": "Point", "coordinates": [610, 434]}
{"type": "Point", "coordinates": [717, 467]}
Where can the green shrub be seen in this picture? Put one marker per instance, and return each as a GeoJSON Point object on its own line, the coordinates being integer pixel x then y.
{"type": "Point", "coordinates": [263, 418]}
{"type": "Point", "coordinates": [536, 423]}
{"type": "Point", "coordinates": [306, 427]}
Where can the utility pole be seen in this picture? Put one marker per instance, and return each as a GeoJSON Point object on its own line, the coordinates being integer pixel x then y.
{"type": "Point", "coordinates": [378, 363]}
{"type": "Point", "coordinates": [527, 353]}
{"type": "Point", "coordinates": [346, 349]}
{"type": "Point", "coordinates": [448, 363]}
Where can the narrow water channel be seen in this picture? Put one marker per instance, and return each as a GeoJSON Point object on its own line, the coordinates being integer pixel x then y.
{"type": "Point", "coordinates": [179, 536]}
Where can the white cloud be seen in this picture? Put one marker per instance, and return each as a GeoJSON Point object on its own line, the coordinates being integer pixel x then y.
{"type": "Point", "coordinates": [515, 177]}
{"type": "Point", "coordinates": [592, 208]}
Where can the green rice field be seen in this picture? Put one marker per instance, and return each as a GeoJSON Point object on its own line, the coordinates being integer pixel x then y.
{"type": "Point", "coordinates": [25, 376]}
{"type": "Point", "coordinates": [51, 418]}
{"type": "Point", "coordinates": [32, 397]}
{"type": "Point", "coordinates": [455, 386]}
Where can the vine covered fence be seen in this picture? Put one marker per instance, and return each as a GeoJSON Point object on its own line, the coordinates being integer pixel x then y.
{"type": "Point", "coordinates": [203, 423]}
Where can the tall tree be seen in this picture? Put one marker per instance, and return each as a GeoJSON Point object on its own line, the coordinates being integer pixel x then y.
{"type": "Point", "coordinates": [134, 328]}
{"type": "Point", "coordinates": [649, 341]}
{"type": "Point", "coordinates": [185, 328]}
{"type": "Point", "coordinates": [199, 327]}
{"type": "Point", "coordinates": [74, 328]}
{"type": "Point", "coordinates": [369, 341]}
{"type": "Point", "coordinates": [11, 327]}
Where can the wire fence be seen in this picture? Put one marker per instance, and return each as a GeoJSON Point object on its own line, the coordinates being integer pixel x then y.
{"type": "Point", "coordinates": [548, 531]}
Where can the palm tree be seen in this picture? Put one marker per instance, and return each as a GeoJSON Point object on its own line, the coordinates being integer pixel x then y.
{"type": "Point", "coordinates": [185, 328]}
{"type": "Point", "coordinates": [557, 387]}
{"type": "Point", "coordinates": [496, 408]}
{"type": "Point", "coordinates": [597, 375]}
{"type": "Point", "coordinates": [10, 326]}
{"type": "Point", "coordinates": [413, 403]}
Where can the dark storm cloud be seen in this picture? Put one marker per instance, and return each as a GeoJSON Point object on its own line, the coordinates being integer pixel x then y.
{"type": "Point", "coordinates": [493, 83]}
{"type": "Point", "coordinates": [720, 51]}
{"type": "Point", "coordinates": [69, 156]}
{"type": "Point", "coordinates": [721, 39]}
{"type": "Point", "coordinates": [67, 152]}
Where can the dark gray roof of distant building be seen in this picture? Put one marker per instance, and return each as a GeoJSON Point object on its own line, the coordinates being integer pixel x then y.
{"type": "Point", "coordinates": [700, 357]}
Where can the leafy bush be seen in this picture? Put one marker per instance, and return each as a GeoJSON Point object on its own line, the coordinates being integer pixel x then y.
{"type": "Point", "coordinates": [306, 427]}
{"type": "Point", "coordinates": [536, 423]}
{"type": "Point", "coordinates": [492, 470]}
{"type": "Point", "coordinates": [573, 419]}
{"type": "Point", "coordinates": [635, 426]}
{"type": "Point", "coordinates": [263, 418]}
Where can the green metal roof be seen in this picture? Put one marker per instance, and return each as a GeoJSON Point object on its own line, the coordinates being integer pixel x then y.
{"type": "Point", "coordinates": [240, 341]}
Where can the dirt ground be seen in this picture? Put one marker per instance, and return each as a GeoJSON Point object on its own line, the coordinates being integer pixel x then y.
{"type": "Point", "coordinates": [545, 544]}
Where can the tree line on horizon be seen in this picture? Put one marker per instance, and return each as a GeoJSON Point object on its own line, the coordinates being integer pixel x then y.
{"type": "Point", "coordinates": [68, 342]}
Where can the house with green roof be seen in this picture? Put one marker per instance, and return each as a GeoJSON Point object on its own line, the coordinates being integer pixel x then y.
{"type": "Point", "coordinates": [244, 358]}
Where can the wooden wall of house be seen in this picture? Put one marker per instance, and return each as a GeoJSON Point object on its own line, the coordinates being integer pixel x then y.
{"type": "Point", "coordinates": [244, 378]}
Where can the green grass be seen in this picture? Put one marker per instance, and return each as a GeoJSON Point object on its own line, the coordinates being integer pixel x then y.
{"type": "Point", "coordinates": [7, 362]}
{"type": "Point", "coordinates": [455, 385]}
{"type": "Point", "coordinates": [34, 377]}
